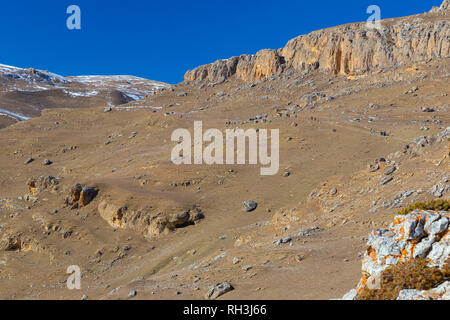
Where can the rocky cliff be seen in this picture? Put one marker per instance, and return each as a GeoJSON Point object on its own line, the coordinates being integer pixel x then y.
{"type": "Point", "coordinates": [352, 49]}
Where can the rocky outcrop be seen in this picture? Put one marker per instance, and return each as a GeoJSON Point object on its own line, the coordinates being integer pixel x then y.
{"type": "Point", "coordinates": [444, 6]}
{"type": "Point", "coordinates": [80, 196]}
{"type": "Point", "coordinates": [40, 183]}
{"type": "Point", "coordinates": [441, 292]}
{"type": "Point", "coordinates": [246, 67]}
{"type": "Point", "coordinates": [347, 50]}
{"type": "Point", "coordinates": [418, 235]}
{"type": "Point", "coordinates": [146, 221]}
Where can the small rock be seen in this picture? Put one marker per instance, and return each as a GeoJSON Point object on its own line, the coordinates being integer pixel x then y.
{"type": "Point", "coordinates": [249, 205]}
{"type": "Point", "coordinates": [390, 171]}
{"type": "Point", "coordinates": [386, 180]}
{"type": "Point", "coordinates": [427, 109]}
{"type": "Point", "coordinates": [218, 290]}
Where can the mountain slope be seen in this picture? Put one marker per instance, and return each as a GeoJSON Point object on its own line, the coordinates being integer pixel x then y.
{"type": "Point", "coordinates": [354, 149]}
{"type": "Point", "coordinates": [24, 93]}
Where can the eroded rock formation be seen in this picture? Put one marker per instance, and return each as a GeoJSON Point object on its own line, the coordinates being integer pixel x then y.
{"type": "Point", "coordinates": [145, 220]}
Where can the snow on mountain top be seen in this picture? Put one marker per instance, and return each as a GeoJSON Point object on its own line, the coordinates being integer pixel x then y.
{"type": "Point", "coordinates": [31, 74]}
{"type": "Point", "coordinates": [21, 79]}
{"type": "Point", "coordinates": [117, 78]}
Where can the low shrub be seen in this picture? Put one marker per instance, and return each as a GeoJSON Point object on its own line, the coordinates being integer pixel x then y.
{"type": "Point", "coordinates": [435, 204]}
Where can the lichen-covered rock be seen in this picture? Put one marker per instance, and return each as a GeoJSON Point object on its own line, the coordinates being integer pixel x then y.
{"type": "Point", "coordinates": [442, 292]}
{"type": "Point", "coordinates": [419, 234]}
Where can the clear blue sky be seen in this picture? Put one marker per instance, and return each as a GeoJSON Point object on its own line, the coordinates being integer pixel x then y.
{"type": "Point", "coordinates": [162, 39]}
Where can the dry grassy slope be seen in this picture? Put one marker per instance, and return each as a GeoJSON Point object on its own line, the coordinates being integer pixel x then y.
{"type": "Point", "coordinates": [137, 172]}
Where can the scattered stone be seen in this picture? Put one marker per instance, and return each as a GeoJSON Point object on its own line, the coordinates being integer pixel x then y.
{"type": "Point", "coordinates": [218, 290]}
{"type": "Point", "coordinates": [132, 135]}
{"type": "Point", "coordinates": [47, 162]}
{"type": "Point", "coordinates": [246, 268]}
{"type": "Point", "coordinates": [307, 232]}
{"type": "Point", "coordinates": [220, 256]}
{"type": "Point", "coordinates": [281, 241]}
{"type": "Point", "coordinates": [132, 294]}
{"type": "Point", "coordinates": [249, 205]}
{"type": "Point", "coordinates": [439, 189]}
{"type": "Point", "coordinates": [386, 180]}
{"type": "Point", "coordinates": [28, 161]}
{"type": "Point", "coordinates": [390, 171]}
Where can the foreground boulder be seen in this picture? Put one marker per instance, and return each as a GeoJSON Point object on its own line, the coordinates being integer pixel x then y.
{"type": "Point", "coordinates": [413, 253]}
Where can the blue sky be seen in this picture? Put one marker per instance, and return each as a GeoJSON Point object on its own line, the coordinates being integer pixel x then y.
{"type": "Point", "coordinates": [161, 40]}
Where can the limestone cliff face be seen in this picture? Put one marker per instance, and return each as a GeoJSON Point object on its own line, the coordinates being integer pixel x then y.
{"type": "Point", "coordinates": [246, 67]}
{"type": "Point", "coordinates": [351, 49]}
